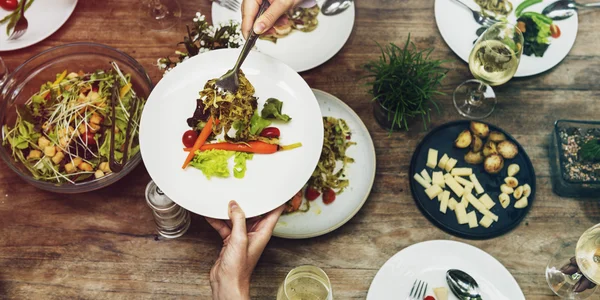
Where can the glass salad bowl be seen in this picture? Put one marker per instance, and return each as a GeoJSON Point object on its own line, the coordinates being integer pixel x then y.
{"type": "Point", "coordinates": [43, 69]}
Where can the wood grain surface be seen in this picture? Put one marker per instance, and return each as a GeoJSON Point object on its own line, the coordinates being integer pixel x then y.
{"type": "Point", "coordinates": [103, 244]}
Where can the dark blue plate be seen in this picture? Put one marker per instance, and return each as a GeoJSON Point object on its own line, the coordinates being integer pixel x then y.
{"type": "Point", "coordinates": [442, 139]}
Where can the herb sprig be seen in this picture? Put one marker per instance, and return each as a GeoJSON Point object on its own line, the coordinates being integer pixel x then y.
{"type": "Point", "coordinates": [590, 151]}
{"type": "Point", "coordinates": [405, 81]}
{"type": "Point", "coordinates": [13, 17]}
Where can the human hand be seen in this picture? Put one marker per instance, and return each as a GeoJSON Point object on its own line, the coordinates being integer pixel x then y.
{"type": "Point", "coordinates": [268, 19]}
{"type": "Point", "coordinates": [243, 243]}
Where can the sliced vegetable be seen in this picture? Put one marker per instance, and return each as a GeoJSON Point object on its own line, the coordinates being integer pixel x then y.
{"type": "Point", "coordinates": [272, 110]}
{"type": "Point", "coordinates": [206, 131]}
{"type": "Point", "coordinates": [239, 169]}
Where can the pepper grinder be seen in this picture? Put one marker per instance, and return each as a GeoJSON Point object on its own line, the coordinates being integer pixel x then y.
{"type": "Point", "coordinates": [172, 220]}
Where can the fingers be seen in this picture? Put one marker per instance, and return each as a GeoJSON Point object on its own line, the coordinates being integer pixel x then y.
{"type": "Point", "coordinates": [220, 226]}
{"type": "Point", "coordinates": [238, 219]}
{"type": "Point", "coordinates": [277, 9]}
{"type": "Point", "coordinates": [263, 231]}
{"type": "Point", "coordinates": [270, 220]}
{"type": "Point", "coordinates": [249, 11]}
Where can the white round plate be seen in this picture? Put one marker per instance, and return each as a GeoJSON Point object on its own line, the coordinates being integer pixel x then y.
{"type": "Point", "coordinates": [44, 17]}
{"type": "Point", "coordinates": [270, 180]}
{"type": "Point", "coordinates": [321, 218]}
{"type": "Point", "coordinates": [429, 261]}
{"type": "Point", "coordinates": [301, 50]}
{"type": "Point", "coordinates": [458, 28]}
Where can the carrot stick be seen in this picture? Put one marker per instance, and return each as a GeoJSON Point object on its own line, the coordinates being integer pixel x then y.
{"type": "Point", "coordinates": [199, 141]}
{"type": "Point", "coordinates": [252, 147]}
{"type": "Point", "coordinates": [235, 147]}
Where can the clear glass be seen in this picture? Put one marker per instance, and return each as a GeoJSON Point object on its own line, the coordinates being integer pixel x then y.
{"type": "Point", "coordinates": [493, 61]}
{"type": "Point", "coordinates": [306, 283]}
{"type": "Point", "coordinates": [159, 15]}
{"type": "Point", "coordinates": [564, 272]}
{"type": "Point", "coordinates": [3, 73]}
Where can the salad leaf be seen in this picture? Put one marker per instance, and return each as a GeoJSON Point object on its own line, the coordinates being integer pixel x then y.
{"type": "Point", "coordinates": [536, 34]}
{"type": "Point", "coordinates": [257, 123]}
{"type": "Point", "coordinates": [239, 169]}
{"type": "Point", "coordinates": [212, 162]}
{"type": "Point", "coordinates": [272, 110]}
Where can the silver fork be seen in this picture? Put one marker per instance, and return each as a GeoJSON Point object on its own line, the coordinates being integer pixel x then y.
{"type": "Point", "coordinates": [233, 5]}
{"type": "Point", "coordinates": [22, 24]}
{"type": "Point", "coordinates": [418, 291]}
{"type": "Point", "coordinates": [479, 18]}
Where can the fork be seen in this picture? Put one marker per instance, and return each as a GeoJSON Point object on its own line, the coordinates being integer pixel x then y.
{"type": "Point", "coordinates": [22, 24]}
{"type": "Point", "coordinates": [479, 18]}
{"type": "Point", "coordinates": [233, 5]}
{"type": "Point", "coordinates": [418, 291]}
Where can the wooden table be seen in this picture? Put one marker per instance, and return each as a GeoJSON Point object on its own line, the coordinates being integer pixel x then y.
{"type": "Point", "coordinates": [103, 244]}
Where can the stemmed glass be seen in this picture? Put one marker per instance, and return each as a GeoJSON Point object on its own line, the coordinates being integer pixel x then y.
{"type": "Point", "coordinates": [3, 73]}
{"type": "Point", "coordinates": [305, 282]}
{"type": "Point", "coordinates": [574, 271]}
{"type": "Point", "coordinates": [493, 61]}
{"type": "Point", "coordinates": [159, 14]}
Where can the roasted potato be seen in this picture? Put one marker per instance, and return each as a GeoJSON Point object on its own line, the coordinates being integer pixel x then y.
{"type": "Point", "coordinates": [474, 158]}
{"type": "Point", "coordinates": [476, 144]}
{"type": "Point", "coordinates": [511, 182]}
{"type": "Point", "coordinates": [513, 170]}
{"type": "Point", "coordinates": [463, 140]}
{"type": "Point", "coordinates": [497, 137]}
{"type": "Point", "coordinates": [508, 149]}
{"type": "Point", "coordinates": [493, 164]}
{"type": "Point", "coordinates": [481, 130]}
{"type": "Point", "coordinates": [526, 190]}
{"type": "Point", "coordinates": [489, 149]}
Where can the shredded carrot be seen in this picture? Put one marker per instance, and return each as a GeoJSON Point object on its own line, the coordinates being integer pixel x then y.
{"type": "Point", "coordinates": [252, 147]}
{"type": "Point", "coordinates": [199, 141]}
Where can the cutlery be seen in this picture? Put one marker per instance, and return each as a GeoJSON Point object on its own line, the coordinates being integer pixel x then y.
{"type": "Point", "coordinates": [418, 291]}
{"type": "Point", "coordinates": [462, 285]}
{"type": "Point", "coordinates": [230, 82]}
{"type": "Point", "coordinates": [233, 5]}
{"type": "Point", "coordinates": [334, 7]}
{"type": "Point", "coordinates": [479, 18]}
{"type": "Point", "coordinates": [564, 9]}
{"type": "Point", "coordinates": [22, 24]}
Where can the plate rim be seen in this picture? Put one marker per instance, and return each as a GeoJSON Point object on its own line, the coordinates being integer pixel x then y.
{"type": "Point", "coordinates": [371, 145]}
{"type": "Point", "coordinates": [33, 42]}
{"type": "Point", "coordinates": [441, 225]}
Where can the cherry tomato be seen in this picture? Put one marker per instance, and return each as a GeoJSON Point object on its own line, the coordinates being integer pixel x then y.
{"type": "Point", "coordinates": [311, 194]}
{"type": "Point", "coordinates": [429, 298]}
{"type": "Point", "coordinates": [270, 132]}
{"type": "Point", "coordinates": [555, 31]}
{"type": "Point", "coordinates": [189, 138]}
{"type": "Point", "coordinates": [88, 138]}
{"type": "Point", "coordinates": [328, 196]}
{"type": "Point", "coordinates": [9, 4]}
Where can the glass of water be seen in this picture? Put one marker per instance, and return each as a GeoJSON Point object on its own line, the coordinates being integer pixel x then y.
{"type": "Point", "coordinates": [3, 73]}
{"type": "Point", "coordinates": [305, 283]}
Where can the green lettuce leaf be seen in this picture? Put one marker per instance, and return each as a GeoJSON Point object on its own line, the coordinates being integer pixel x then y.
{"type": "Point", "coordinates": [239, 169]}
{"type": "Point", "coordinates": [272, 110]}
{"type": "Point", "coordinates": [257, 124]}
{"type": "Point", "coordinates": [212, 163]}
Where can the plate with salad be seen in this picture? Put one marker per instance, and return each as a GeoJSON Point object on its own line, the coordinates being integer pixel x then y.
{"type": "Point", "coordinates": [304, 38]}
{"type": "Point", "coordinates": [205, 147]}
{"type": "Point", "coordinates": [342, 180]}
{"type": "Point", "coordinates": [546, 42]}
{"type": "Point", "coordinates": [44, 17]}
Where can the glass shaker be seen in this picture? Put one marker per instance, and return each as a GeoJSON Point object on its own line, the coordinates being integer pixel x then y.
{"type": "Point", "coordinates": [172, 220]}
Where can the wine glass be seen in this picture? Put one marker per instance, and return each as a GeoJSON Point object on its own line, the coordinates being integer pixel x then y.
{"type": "Point", "coordinates": [574, 271]}
{"type": "Point", "coordinates": [305, 282]}
{"type": "Point", "coordinates": [159, 14]}
{"type": "Point", "coordinates": [3, 73]}
{"type": "Point", "coordinates": [493, 61]}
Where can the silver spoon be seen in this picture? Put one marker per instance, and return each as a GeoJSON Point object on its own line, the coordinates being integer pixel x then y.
{"type": "Point", "coordinates": [334, 7]}
{"type": "Point", "coordinates": [564, 9]}
{"type": "Point", "coordinates": [462, 285]}
{"type": "Point", "coordinates": [230, 82]}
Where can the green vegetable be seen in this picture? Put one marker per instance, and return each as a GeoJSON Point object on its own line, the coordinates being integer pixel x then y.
{"type": "Point", "coordinates": [212, 163]}
{"type": "Point", "coordinates": [525, 4]}
{"type": "Point", "coordinates": [257, 124]}
{"type": "Point", "coordinates": [13, 17]}
{"type": "Point", "coordinates": [590, 151]}
{"type": "Point", "coordinates": [539, 17]}
{"type": "Point", "coordinates": [536, 35]}
{"type": "Point", "coordinates": [239, 169]}
{"type": "Point", "coordinates": [272, 110]}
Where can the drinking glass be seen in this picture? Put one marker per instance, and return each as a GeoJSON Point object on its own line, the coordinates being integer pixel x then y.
{"type": "Point", "coordinates": [306, 283]}
{"type": "Point", "coordinates": [493, 61]}
{"type": "Point", "coordinates": [159, 14]}
{"type": "Point", "coordinates": [3, 73]}
{"type": "Point", "coordinates": [574, 271]}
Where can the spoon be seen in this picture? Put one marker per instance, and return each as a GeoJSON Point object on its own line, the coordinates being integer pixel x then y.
{"type": "Point", "coordinates": [564, 9]}
{"type": "Point", "coordinates": [334, 7]}
{"type": "Point", "coordinates": [462, 285]}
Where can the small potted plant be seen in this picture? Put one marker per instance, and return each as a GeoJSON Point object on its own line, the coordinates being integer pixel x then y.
{"type": "Point", "coordinates": [404, 83]}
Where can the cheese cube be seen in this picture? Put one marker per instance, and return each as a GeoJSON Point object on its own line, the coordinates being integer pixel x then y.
{"type": "Point", "coordinates": [464, 182]}
{"type": "Point", "coordinates": [452, 203]}
{"type": "Point", "coordinates": [486, 221]}
{"type": "Point", "coordinates": [433, 191]}
{"type": "Point", "coordinates": [490, 214]}
{"type": "Point", "coordinates": [462, 171]}
{"type": "Point", "coordinates": [432, 158]}
{"type": "Point", "coordinates": [487, 201]}
{"type": "Point", "coordinates": [472, 218]}
{"type": "Point", "coordinates": [422, 181]}
{"type": "Point", "coordinates": [461, 214]}
{"type": "Point", "coordinates": [425, 175]}
{"type": "Point", "coordinates": [438, 179]}
{"type": "Point", "coordinates": [468, 189]}
{"type": "Point", "coordinates": [476, 203]}
{"type": "Point", "coordinates": [478, 187]}
{"type": "Point", "coordinates": [441, 293]}
{"type": "Point", "coordinates": [450, 164]}
{"type": "Point", "coordinates": [444, 202]}
{"type": "Point", "coordinates": [443, 161]}
{"type": "Point", "coordinates": [465, 201]}
{"type": "Point", "coordinates": [456, 188]}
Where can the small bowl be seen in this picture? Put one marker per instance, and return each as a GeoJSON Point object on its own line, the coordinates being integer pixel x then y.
{"type": "Point", "coordinates": [27, 79]}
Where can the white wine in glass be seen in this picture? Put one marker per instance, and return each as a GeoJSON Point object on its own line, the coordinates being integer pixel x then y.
{"type": "Point", "coordinates": [305, 283]}
{"type": "Point", "coordinates": [587, 254]}
{"type": "Point", "coordinates": [493, 61]}
{"type": "Point", "coordinates": [159, 14]}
